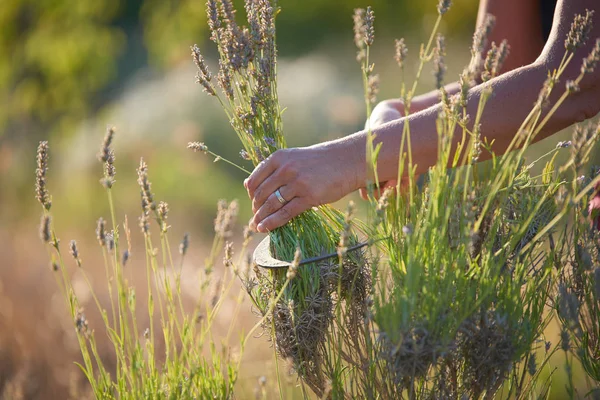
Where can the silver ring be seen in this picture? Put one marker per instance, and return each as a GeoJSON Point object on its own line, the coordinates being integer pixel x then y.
{"type": "Point", "coordinates": [280, 197]}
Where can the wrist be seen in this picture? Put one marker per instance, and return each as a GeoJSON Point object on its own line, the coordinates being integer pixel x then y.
{"type": "Point", "coordinates": [349, 155]}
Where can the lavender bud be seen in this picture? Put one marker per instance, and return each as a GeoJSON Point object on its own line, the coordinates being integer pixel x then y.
{"type": "Point", "coordinates": [197, 146]}
{"type": "Point", "coordinates": [41, 191]}
{"type": "Point", "coordinates": [45, 232]}
{"type": "Point", "coordinates": [185, 244]}
{"type": "Point", "coordinates": [580, 30]}
{"type": "Point", "coordinates": [443, 6]}
{"type": "Point", "coordinates": [401, 52]}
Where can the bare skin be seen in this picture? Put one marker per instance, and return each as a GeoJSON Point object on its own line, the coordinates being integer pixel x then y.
{"type": "Point", "coordinates": [326, 172]}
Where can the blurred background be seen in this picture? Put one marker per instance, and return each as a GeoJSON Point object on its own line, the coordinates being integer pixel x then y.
{"type": "Point", "coordinates": [68, 69]}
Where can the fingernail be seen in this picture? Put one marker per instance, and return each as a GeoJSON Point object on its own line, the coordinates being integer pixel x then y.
{"type": "Point", "coordinates": [261, 228]}
{"type": "Point", "coordinates": [246, 183]}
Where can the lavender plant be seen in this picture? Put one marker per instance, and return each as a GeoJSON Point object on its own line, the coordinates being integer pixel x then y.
{"type": "Point", "coordinates": [174, 354]}
{"type": "Point", "coordinates": [303, 315]}
{"type": "Point", "coordinates": [460, 306]}
{"type": "Point", "coordinates": [450, 300]}
{"type": "Point", "coordinates": [577, 298]}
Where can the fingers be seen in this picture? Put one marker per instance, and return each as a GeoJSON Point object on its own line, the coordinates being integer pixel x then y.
{"type": "Point", "coordinates": [262, 172]}
{"type": "Point", "coordinates": [276, 180]}
{"type": "Point", "coordinates": [283, 215]}
{"type": "Point", "coordinates": [270, 206]}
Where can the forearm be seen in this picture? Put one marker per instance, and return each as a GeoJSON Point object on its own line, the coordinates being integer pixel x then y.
{"type": "Point", "coordinates": [514, 94]}
{"type": "Point", "coordinates": [421, 102]}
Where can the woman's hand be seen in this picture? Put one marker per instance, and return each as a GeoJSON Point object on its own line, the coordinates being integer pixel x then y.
{"type": "Point", "coordinates": [384, 112]}
{"type": "Point", "coordinates": [305, 177]}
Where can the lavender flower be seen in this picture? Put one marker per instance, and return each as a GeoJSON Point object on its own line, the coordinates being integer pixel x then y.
{"type": "Point", "coordinates": [41, 191]}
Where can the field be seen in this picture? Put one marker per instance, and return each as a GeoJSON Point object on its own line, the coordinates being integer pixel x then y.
{"type": "Point", "coordinates": [163, 301]}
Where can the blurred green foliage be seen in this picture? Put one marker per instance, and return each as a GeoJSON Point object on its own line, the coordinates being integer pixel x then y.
{"type": "Point", "coordinates": [58, 56]}
{"type": "Point", "coordinates": [54, 55]}
{"type": "Point", "coordinates": [170, 26]}
{"type": "Point", "coordinates": [305, 25]}
{"type": "Point", "coordinates": [62, 59]}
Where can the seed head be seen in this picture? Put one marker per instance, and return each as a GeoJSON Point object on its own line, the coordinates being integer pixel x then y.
{"type": "Point", "coordinates": [101, 232]}
{"type": "Point", "coordinates": [214, 22]}
{"type": "Point", "coordinates": [45, 232]}
{"type": "Point", "coordinates": [439, 67]}
{"type": "Point", "coordinates": [145, 223]}
{"type": "Point", "coordinates": [74, 252]}
{"type": "Point", "coordinates": [104, 153]}
{"type": "Point", "coordinates": [185, 244]}
{"type": "Point", "coordinates": [369, 27]}
{"type": "Point", "coordinates": [270, 141]}
{"type": "Point", "coordinates": [125, 257]}
{"type": "Point", "coordinates": [224, 78]}
{"type": "Point", "coordinates": [480, 39]}
{"type": "Point", "coordinates": [544, 95]}
{"type": "Point", "coordinates": [109, 171]}
{"type": "Point", "coordinates": [359, 27]}
{"type": "Point", "coordinates": [40, 176]}
{"type": "Point", "coordinates": [572, 87]}
{"type": "Point", "coordinates": [359, 33]}
{"type": "Point", "coordinates": [591, 61]}
{"type": "Point", "coordinates": [226, 215]}
{"type": "Point", "coordinates": [148, 203]}
{"type": "Point", "coordinates": [465, 85]}
{"type": "Point", "coordinates": [228, 257]}
{"type": "Point", "coordinates": [203, 76]}
{"type": "Point", "coordinates": [401, 52]}
{"type": "Point", "coordinates": [482, 34]}
{"type": "Point", "coordinates": [580, 30]}
{"type": "Point", "coordinates": [163, 211]}
{"type": "Point", "coordinates": [443, 6]}
{"type": "Point", "coordinates": [253, 15]}
{"type": "Point", "coordinates": [503, 52]}
{"type": "Point", "coordinates": [110, 240]}
{"type": "Point", "coordinates": [382, 205]}
{"type": "Point", "coordinates": [488, 64]}
{"type": "Point", "coordinates": [584, 136]}
{"type": "Point", "coordinates": [227, 12]}
{"type": "Point", "coordinates": [244, 154]}
{"type": "Point", "coordinates": [81, 323]}
{"type": "Point", "coordinates": [197, 146]}
{"type": "Point", "coordinates": [476, 149]}
{"type": "Point", "coordinates": [267, 24]}
{"type": "Point", "coordinates": [563, 145]}
{"type": "Point", "coordinates": [373, 88]}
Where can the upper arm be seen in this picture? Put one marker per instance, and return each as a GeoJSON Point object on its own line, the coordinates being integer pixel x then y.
{"type": "Point", "coordinates": [520, 23]}
{"type": "Point", "coordinates": [563, 18]}
{"type": "Point", "coordinates": [585, 103]}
